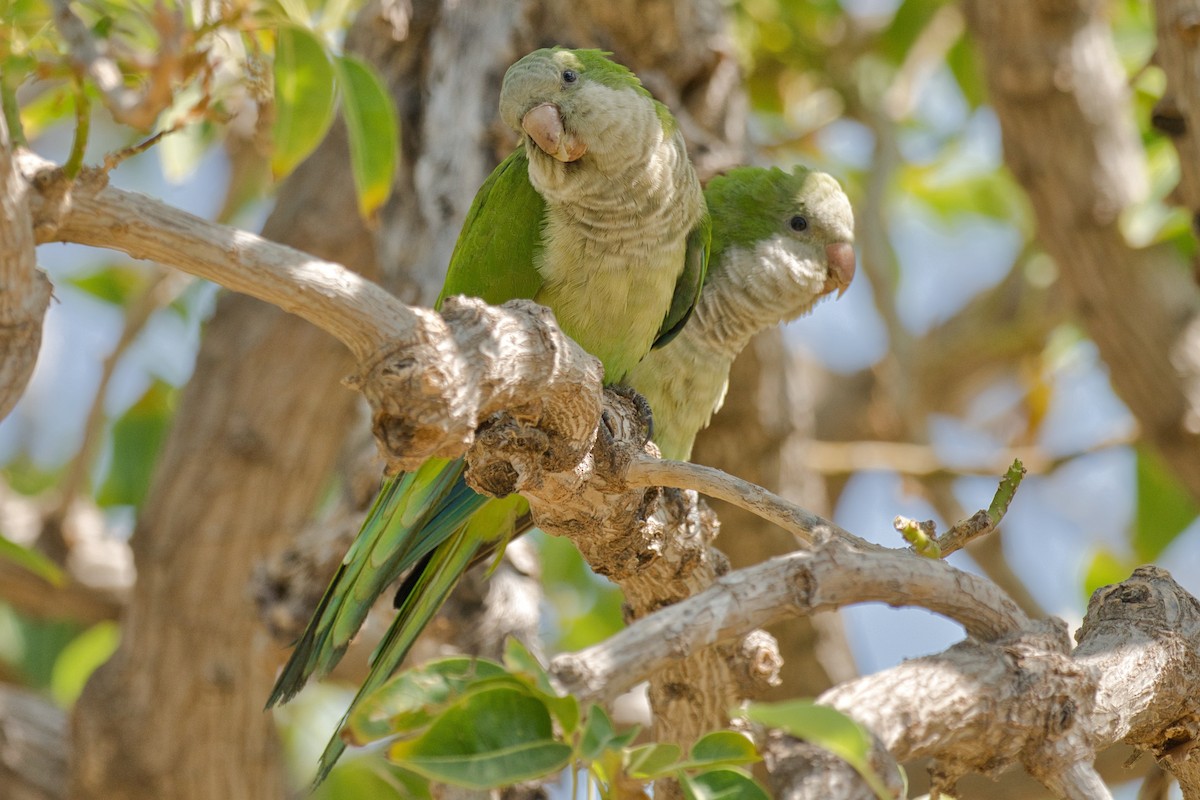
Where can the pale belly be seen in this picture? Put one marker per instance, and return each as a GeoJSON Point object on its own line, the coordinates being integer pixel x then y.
{"type": "Point", "coordinates": [614, 307]}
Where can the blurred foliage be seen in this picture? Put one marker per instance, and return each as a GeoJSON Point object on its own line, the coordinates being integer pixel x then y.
{"type": "Point", "coordinates": [888, 95]}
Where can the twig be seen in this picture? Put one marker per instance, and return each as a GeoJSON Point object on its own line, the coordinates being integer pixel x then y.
{"type": "Point", "coordinates": [83, 125]}
{"type": "Point", "coordinates": [113, 160]}
{"type": "Point", "coordinates": [12, 113]}
{"type": "Point", "coordinates": [981, 522]}
{"type": "Point", "coordinates": [804, 525]}
{"type": "Point", "coordinates": [38, 598]}
{"type": "Point", "coordinates": [91, 58]}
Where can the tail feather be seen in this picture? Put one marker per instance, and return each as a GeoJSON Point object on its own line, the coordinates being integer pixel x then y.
{"type": "Point", "coordinates": [380, 553]}
{"type": "Point", "coordinates": [430, 584]}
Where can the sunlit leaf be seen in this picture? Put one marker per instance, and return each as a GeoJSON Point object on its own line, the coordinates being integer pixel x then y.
{"type": "Point", "coordinates": [79, 659]}
{"type": "Point", "coordinates": [525, 665]}
{"type": "Point", "coordinates": [1164, 507]}
{"type": "Point", "coordinates": [652, 761]}
{"type": "Point", "coordinates": [370, 777]}
{"type": "Point", "coordinates": [1105, 569]}
{"type": "Point", "coordinates": [373, 131]}
{"type": "Point", "coordinates": [722, 748]}
{"type": "Point", "coordinates": [137, 438]}
{"type": "Point", "coordinates": [304, 91]}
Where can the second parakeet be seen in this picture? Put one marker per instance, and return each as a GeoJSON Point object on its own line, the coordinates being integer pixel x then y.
{"type": "Point", "coordinates": [780, 241]}
{"type": "Point", "coordinates": [599, 215]}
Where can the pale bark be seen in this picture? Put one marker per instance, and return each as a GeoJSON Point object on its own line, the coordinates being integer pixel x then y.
{"type": "Point", "coordinates": [24, 289]}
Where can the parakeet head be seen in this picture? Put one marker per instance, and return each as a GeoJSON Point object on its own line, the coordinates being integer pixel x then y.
{"type": "Point", "coordinates": [571, 104]}
{"type": "Point", "coordinates": [792, 230]}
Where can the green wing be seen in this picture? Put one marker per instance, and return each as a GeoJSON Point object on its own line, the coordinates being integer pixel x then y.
{"type": "Point", "coordinates": [691, 281]}
{"type": "Point", "coordinates": [497, 252]}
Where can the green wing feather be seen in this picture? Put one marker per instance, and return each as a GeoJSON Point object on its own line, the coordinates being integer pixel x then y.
{"type": "Point", "coordinates": [498, 251]}
{"type": "Point", "coordinates": [691, 281]}
{"type": "Point", "coordinates": [495, 259]}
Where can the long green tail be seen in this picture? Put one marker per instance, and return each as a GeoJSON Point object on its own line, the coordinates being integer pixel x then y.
{"type": "Point", "coordinates": [446, 564]}
{"type": "Point", "coordinates": [413, 514]}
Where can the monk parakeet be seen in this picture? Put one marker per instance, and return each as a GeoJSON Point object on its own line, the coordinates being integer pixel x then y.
{"type": "Point", "coordinates": [599, 215]}
{"type": "Point", "coordinates": [780, 241]}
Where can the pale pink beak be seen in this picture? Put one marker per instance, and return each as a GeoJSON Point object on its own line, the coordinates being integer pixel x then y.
{"type": "Point", "coordinates": [841, 267]}
{"type": "Point", "coordinates": [544, 125]}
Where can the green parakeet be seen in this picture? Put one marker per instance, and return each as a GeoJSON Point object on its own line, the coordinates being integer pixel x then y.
{"type": "Point", "coordinates": [599, 215]}
{"type": "Point", "coordinates": [780, 241]}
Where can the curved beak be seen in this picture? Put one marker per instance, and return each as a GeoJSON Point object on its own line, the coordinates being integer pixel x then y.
{"type": "Point", "coordinates": [545, 126]}
{"type": "Point", "coordinates": [841, 267]}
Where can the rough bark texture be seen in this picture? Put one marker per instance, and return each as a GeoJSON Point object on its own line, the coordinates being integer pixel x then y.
{"type": "Point", "coordinates": [24, 289]}
{"type": "Point", "coordinates": [178, 712]}
{"type": "Point", "coordinates": [1062, 100]}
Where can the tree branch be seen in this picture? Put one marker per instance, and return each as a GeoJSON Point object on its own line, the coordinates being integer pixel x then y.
{"type": "Point", "coordinates": [486, 358]}
{"type": "Point", "coordinates": [26, 291]}
{"type": "Point", "coordinates": [831, 576]}
{"type": "Point", "coordinates": [91, 58]}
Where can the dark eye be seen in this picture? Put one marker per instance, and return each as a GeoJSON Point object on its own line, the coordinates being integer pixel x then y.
{"type": "Point", "coordinates": [798, 223]}
{"type": "Point", "coordinates": [570, 76]}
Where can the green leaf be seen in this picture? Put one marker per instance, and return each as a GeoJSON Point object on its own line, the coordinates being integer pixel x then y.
{"type": "Point", "coordinates": [825, 727]}
{"type": "Point", "coordinates": [114, 285]}
{"type": "Point", "coordinates": [31, 561]}
{"type": "Point", "coordinates": [370, 777]}
{"type": "Point", "coordinates": [722, 784]}
{"type": "Point", "coordinates": [599, 735]}
{"type": "Point", "coordinates": [652, 761]}
{"type": "Point", "coordinates": [722, 748]}
{"type": "Point", "coordinates": [303, 97]}
{"type": "Point", "coordinates": [373, 131]}
{"type": "Point", "coordinates": [413, 698]}
{"type": "Point", "coordinates": [1164, 507]}
{"type": "Point", "coordinates": [79, 659]}
{"type": "Point", "coordinates": [525, 665]}
{"type": "Point", "coordinates": [486, 740]}
{"type": "Point", "coordinates": [1105, 569]}
{"type": "Point", "coordinates": [137, 438]}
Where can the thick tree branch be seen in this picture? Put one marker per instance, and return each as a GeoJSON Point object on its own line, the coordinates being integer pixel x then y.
{"type": "Point", "coordinates": [24, 289]}
{"type": "Point", "coordinates": [831, 576]}
{"type": "Point", "coordinates": [422, 410]}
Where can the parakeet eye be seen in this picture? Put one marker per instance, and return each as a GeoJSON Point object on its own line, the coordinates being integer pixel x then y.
{"type": "Point", "coordinates": [570, 76]}
{"type": "Point", "coordinates": [798, 223]}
